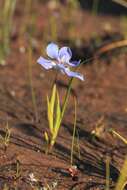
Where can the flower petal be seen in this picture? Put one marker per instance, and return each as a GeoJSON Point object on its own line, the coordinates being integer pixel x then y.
{"type": "Point", "coordinates": [65, 54]}
{"type": "Point", "coordinates": [52, 50]}
{"type": "Point", "coordinates": [74, 63]}
{"type": "Point", "coordinates": [47, 64]}
{"type": "Point", "coordinates": [74, 74]}
{"type": "Point", "coordinates": [60, 67]}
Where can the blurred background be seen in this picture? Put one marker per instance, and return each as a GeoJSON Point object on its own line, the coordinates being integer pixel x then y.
{"type": "Point", "coordinates": [78, 23]}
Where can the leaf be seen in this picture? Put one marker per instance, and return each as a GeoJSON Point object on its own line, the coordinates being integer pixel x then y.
{"type": "Point", "coordinates": [58, 116]}
{"type": "Point", "coordinates": [46, 137]}
{"type": "Point", "coordinates": [50, 115]}
{"type": "Point", "coordinates": [53, 97]}
{"type": "Point", "coordinates": [122, 180]}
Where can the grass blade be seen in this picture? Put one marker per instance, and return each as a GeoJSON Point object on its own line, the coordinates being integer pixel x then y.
{"type": "Point", "coordinates": [58, 119]}
{"type": "Point", "coordinates": [123, 177]}
{"type": "Point", "coordinates": [50, 115]}
{"type": "Point", "coordinates": [53, 97]}
{"type": "Point", "coordinates": [119, 136]}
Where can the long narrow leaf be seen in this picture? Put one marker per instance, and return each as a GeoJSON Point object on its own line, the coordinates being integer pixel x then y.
{"type": "Point", "coordinates": [46, 137]}
{"type": "Point", "coordinates": [50, 115]}
{"type": "Point", "coordinates": [119, 136]}
{"type": "Point", "coordinates": [53, 97]}
{"type": "Point", "coordinates": [58, 118]}
{"type": "Point", "coordinates": [52, 104]}
{"type": "Point", "coordinates": [123, 177]}
{"type": "Point", "coordinates": [58, 112]}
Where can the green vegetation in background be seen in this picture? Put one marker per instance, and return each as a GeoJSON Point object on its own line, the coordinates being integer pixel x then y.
{"type": "Point", "coordinates": [7, 25]}
{"type": "Point", "coordinates": [30, 75]}
{"type": "Point", "coordinates": [60, 16]}
{"type": "Point", "coordinates": [95, 7]}
{"type": "Point", "coordinates": [29, 18]}
{"type": "Point", "coordinates": [124, 26]}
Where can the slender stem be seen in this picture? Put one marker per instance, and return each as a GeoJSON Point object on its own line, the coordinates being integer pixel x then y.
{"type": "Point", "coordinates": [122, 177]}
{"type": "Point", "coordinates": [78, 146]}
{"type": "Point", "coordinates": [31, 83]}
{"type": "Point", "coordinates": [74, 132]}
{"type": "Point", "coordinates": [67, 94]}
{"type": "Point", "coordinates": [119, 136]}
{"type": "Point", "coordinates": [66, 98]}
{"type": "Point", "coordinates": [107, 173]}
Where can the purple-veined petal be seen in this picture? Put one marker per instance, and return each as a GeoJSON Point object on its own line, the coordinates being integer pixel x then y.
{"type": "Point", "coordinates": [52, 50]}
{"type": "Point", "coordinates": [74, 74]}
{"type": "Point", "coordinates": [47, 64]}
{"type": "Point", "coordinates": [65, 54]}
{"type": "Point", "coordinates": [74, 63]}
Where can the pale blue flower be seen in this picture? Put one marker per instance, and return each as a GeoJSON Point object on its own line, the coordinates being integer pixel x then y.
{"type": "Point", "coordinates": [60, 60]}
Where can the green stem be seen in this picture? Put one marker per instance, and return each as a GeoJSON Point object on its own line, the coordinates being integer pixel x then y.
{"type": "Point", "coordinates": [67, 94]}
{"type": "Point", "coordinates": [78, 146]}
{"type": "Point", "coordinates": [66, 99]}
{"type": "Point", "coordinates": [122, 177]}
{"type": "Point", "coordinates": [74, 132]}
{"type": "Point", "coordinates": [107, 173]}
{"type": "Point", "coordinates": [31, 83]}
{"type": "Point", "coordinates": [119, 136]}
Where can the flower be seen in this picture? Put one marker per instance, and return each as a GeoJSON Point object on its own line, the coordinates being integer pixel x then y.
{"type": "Point", "coordinates": [60, 60]}
{"type": "Point", "coordinates": [32, 177]}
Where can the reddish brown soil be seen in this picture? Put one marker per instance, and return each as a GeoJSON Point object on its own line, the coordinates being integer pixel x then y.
{"type": "Point", "coordinates": [102, 94]}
